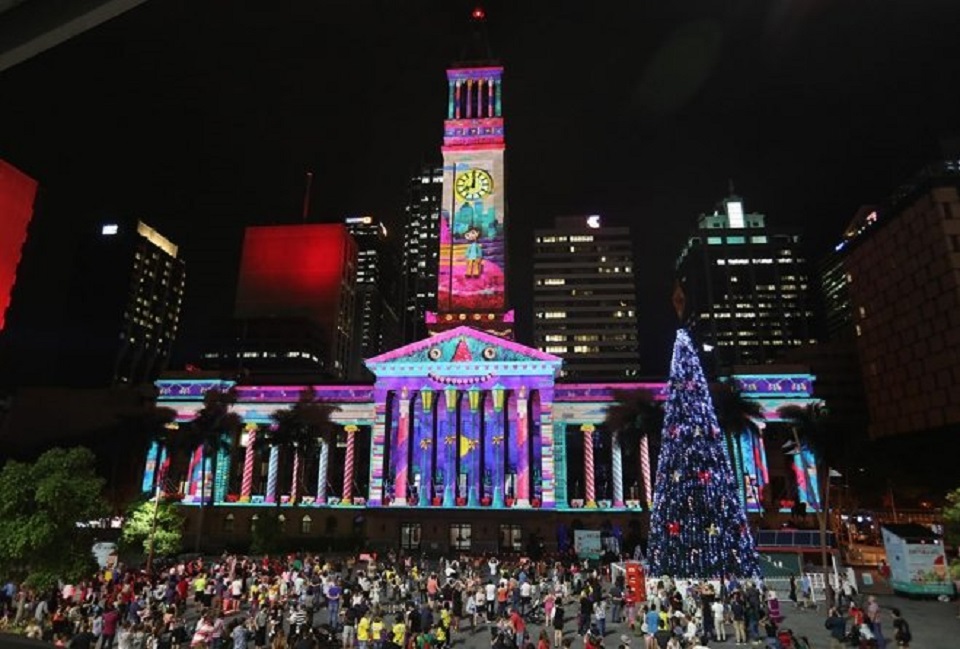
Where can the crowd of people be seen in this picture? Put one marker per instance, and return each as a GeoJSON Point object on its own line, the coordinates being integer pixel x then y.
{"type": "Point", "coordinates": [398, 602]}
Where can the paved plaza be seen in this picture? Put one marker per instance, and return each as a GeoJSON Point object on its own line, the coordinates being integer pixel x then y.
{"type": "Point", "coordinates": [935, 625]}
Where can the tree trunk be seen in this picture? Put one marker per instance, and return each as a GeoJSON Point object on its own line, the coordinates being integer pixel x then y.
{"type": "Point", "coordinates": [203, 490]}
{"type": "Point", "coordinates": [822, 519]}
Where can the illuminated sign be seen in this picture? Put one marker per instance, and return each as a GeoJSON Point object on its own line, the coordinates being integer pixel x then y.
{"type": "Point", "coordinates": [593, 221]}
{"type": "Point", "coordinates": [735, 214]}
{"type": "Point", "coordinates": [109, 229]}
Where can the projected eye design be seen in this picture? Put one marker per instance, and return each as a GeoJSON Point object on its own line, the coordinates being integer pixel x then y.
{"type": "Point", "coordinates": [490, 353]}
{"type": "Point", "coordinates": [434, 353]}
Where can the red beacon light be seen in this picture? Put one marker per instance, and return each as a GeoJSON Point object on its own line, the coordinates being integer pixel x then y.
{"type": "Point", "coordinates": [478, 14]}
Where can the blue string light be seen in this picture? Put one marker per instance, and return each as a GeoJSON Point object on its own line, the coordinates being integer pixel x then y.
{"type": "Point", "coordinates": [698, 528]}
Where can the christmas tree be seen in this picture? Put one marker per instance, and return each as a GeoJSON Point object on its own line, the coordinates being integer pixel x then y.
{"type": "Point", "coordinates": [698, 528]}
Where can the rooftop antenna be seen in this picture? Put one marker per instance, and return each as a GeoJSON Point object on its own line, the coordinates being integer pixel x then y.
{"type": "Point", "coordinates": [730, 185]}
{"type": "Point", "coordinates": [306, 196]}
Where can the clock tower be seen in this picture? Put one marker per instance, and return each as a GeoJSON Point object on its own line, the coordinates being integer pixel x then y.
{"type": "Point", "coordinates": [471, 279]}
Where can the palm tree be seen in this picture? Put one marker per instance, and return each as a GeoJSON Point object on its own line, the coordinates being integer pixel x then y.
{"type": "Point", "coordinates": [809, 426]}
{"type": "Point", "coordinates": [140, 427]}
{"type": "Point", "coordinates": [212, 431]}
{"type": "Point", "coordinates": [301, 429]}
{"type": "Point", "coordinates": [636, 418]}
{"type": "Point", "coordinates": [736, 415]}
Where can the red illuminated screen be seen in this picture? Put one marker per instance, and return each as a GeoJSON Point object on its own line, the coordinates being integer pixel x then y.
{"type": "Point", "coordinates": [17, 192]}
{"type": "Point", "coordinates": [292, 271]}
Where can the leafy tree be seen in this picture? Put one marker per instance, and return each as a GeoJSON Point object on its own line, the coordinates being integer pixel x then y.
{"type": "Point", "coordinates": [951, 516]}
{"type": "Point", "coordinates": [137, 527]}
{"type": "Point", "coordinates": [267, 535]}
{"type": "Point", "coordinates": [148, 424]}
{"type": "Point", "coordinates": [811, 432]}
{"type": "Point", "coordinates": [214, 429]}
{"type": "Point", "coordinates": [736, 414]}
{"type": "Point", "coordinates": [300, 429]}
{"type": "Point", "coordinates": [633, 416]}
{"type": "Point", "coordinates": [41, 505]}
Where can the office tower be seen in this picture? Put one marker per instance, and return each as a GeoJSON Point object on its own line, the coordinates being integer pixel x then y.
{"type": "Point", "coordinates": [836, 312]}
{"type": "Point", "coordinates": [746, 286]}
{"type": "Point", "coordinates": [126, 295]}
{"type": "Point", "coordinates": [421, 232]}
{"type": "Point", "coordinates": [471, 286]}
{"type": "Point", "coordinates": [17, 193]}
{"type": "Point", "coordinates": [295, 302]}
{"type": "Point", "coordinates": [584, 298]}
{"type": "Point", "coordinates": [903, 275]}
{"type": "Point", "coordinates": [376, 326]}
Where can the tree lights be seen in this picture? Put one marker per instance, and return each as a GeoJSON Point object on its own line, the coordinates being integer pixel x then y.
{"type": "Point", "coordinates": [698, 528]}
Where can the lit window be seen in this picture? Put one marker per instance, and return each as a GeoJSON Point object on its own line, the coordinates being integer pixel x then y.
{"type": "Point", "coordinates": [109, 230]}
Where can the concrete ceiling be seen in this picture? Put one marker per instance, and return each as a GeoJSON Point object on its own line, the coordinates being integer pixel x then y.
{"type": "Point", "coordinates": [29, 27]}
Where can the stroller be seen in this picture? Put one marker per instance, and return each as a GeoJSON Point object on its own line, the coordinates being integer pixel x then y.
{"type": "Point", "coordinates": [536, 614]}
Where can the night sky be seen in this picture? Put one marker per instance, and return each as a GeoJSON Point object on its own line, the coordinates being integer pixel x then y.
{"type": "Point", "coordinates": [202, 117]}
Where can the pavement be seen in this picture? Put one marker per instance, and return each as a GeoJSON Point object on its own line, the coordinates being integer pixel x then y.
{"type": "Point", "coordinates": [934, 624]}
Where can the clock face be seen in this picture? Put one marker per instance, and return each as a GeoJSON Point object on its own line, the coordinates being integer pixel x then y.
{"type": "Point", "coordinates": [473, 184]}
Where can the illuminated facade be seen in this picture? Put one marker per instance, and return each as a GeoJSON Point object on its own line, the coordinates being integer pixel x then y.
{"type": "Point", "coordinates": [126, 299]}
{"type": "Point", "coordinates": [471, 275]}
{"type": "Point", "coordinates": [421, 254]}
{"type": "Point", "coordinates": [747, 288]}
{"type": "Point", "coordinates": [465, 440]}
{"type": "Point", "coordinates": [461, 421]}
{"type": "Point", "coordinates": [584, 299]}
{"type": "Point", "coordinates": [17, 193]}
{"type": "Point", "coordinates": [295, 299]}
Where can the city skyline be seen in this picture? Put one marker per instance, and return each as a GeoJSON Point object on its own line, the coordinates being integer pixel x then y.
{"type": "Point", "coordinates": [645, 113]}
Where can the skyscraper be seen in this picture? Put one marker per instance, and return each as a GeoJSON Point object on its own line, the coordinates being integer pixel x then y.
{"type": "Point", "coordinates": [126, 297]}
{"type": "Point", "coordinates": [584, 298]}
{"type": "Point", "coordinates": [903, 278]}
{"type": "Point", "coordinates": [295, 301]}
{"type": "Point", "coordinates": [421, 236]}
{"type": "Point", "coordinates": [17, 193]}
{"type": "Point", "coordinates": [747, 287]}
{"type": "Point", "coordinates": [376, 326]}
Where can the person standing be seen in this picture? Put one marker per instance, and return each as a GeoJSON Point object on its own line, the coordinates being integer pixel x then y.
{"type": "Point", "coordinates": [558, 619]}
{"type": "Point", "coordinates": [836, 624]}
{"type": "Point", "coordinates": [874, 620]}
{"type": "Point", "coordinates": [334, 594]}
{"type": "Point", "coordinates": [738, 611]}
{"type": "Point", "coordinates": [902, 629]}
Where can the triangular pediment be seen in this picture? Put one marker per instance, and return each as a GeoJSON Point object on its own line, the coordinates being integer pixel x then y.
{"type": "Point", "coordinates": [464, 348]}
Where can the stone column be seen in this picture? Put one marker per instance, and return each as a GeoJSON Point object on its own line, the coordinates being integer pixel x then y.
{"type": "Point", "coordinates": [426, 444]}
{"type": "Point", "coordinates": [645, 470]}
{"type": "Point", "coordinates": [547, 473]}
{"type": "Point", "coordinates": [522, 490]}
{"type": "Point", "coordinates": [322, 468]}
{"type": "Point", "coordinates": [273, 467]}
{"type": "Point", "coordinates": [401, 450]}
{"type": "Point", "coordinates": [472, 441]}
{"type": "Point", "coordinates": [616, 453]}
{"type": "Point", "coordinates": [589, 476]}
{"type": "Point", "coordinates": [449, 432]}
{"type": "Point", "coordinates": [349, 466]}
{"type": "Point", "coordinates": [496, 438]}
{"type": "Point", "coordinates": [249, 456]}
